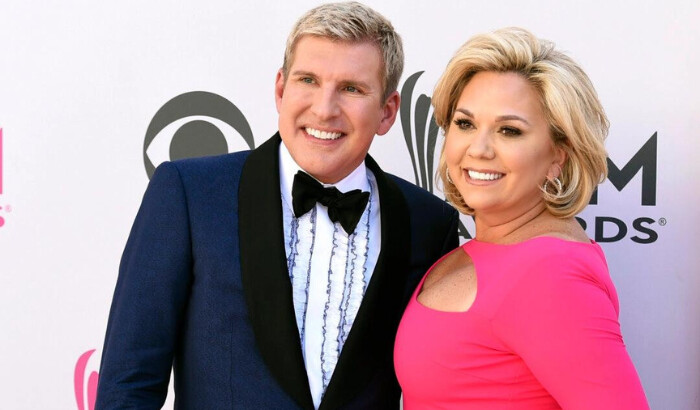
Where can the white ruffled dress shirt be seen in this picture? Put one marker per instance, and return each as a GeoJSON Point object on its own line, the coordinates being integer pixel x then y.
{"type": "Point", "coordinates": [329, 270]}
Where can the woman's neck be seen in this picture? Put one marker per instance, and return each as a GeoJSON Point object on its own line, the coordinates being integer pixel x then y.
{"type": "Point", "coordinates": [502, 228]}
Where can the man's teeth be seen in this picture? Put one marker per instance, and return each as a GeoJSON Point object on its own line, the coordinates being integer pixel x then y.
{"type": "Point", "coordinates": [483, 176]}
{"type": "Point", "coordinates": [323, 135]}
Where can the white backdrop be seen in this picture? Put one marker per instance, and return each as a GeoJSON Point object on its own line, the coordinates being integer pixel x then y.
{"type": "Point", "coordinates": [80, 82]}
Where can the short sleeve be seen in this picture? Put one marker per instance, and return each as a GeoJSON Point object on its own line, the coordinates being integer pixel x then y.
{"type": "Point", "coordinates": [561, 318]}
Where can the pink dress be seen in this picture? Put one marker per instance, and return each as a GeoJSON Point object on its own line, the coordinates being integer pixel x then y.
{"type": "Point", "coordinates": [542, 333]}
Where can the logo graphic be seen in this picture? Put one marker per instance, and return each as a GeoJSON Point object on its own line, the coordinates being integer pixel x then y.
{"type": "Point", "coordinates": [0, 161]}
{"type": "Point", "coordinates": [643, 229]}
{"type": "Point", "coordinates": [421, 130]}
{"type": "Point", "coordinates": [85, 391]}
{"type": "Point", "coordinates": [4, 208]}
{"type": "Point", "coordinates": [420, 133]}
{"type": "Point", "coordinates": [424, 133]}
{"type": "Point", "coordinates": [194, 124]}
{"type": "Point", "coordinates": [644, 160]}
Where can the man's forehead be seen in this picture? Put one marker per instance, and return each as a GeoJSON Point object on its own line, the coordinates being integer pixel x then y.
{"type": "Point", "coordinates": [334, 40]}
{"type": "Point", "coordinates": [308, 55]}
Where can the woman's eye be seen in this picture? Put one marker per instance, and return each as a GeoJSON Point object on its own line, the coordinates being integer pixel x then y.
{"type": "Point", "coordinates": [510, 131]}
{"type": "Point", "coordinates": [463, 124]}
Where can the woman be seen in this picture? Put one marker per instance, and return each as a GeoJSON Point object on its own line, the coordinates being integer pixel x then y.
{"type": "Point", "coordinates": [524, 315]}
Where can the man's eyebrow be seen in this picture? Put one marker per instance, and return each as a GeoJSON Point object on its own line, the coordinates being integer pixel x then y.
{"type": "Point", "coordinates": [304, 73]}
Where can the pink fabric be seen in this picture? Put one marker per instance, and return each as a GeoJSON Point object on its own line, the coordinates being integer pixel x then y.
{"type": "Point", "coordinates": [79, 382]}
{"type": "Point", "coordinates": [542, 333]}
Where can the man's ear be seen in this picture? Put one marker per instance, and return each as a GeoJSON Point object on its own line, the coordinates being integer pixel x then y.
{"type": "Point", "coordinates": [279, 89]}
{"type": "Point", "coordinates": [390, 108]}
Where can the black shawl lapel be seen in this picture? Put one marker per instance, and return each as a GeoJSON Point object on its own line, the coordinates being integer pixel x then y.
{"type": "Point", "coordinates": [264, 274]}
{"type": "Point", "coordinates": [371, 340]}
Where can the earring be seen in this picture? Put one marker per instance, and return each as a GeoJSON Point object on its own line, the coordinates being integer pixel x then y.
{"type": "Point", "coordinates": [447, 171]}
{"type": "Point", "coordinates": [557, 183]}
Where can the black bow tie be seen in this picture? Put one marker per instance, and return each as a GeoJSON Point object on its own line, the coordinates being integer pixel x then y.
{"type": "Point", "coordinates": [346, 208]}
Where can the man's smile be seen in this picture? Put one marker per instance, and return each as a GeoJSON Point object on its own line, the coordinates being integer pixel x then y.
{"type": "Point", "coordinates": [323, 135]}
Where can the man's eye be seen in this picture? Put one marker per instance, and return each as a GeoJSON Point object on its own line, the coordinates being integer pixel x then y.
{"type": "Point", "coordinates": [307, 80]}
{"type": "Point", "coordinates": [351, 89]}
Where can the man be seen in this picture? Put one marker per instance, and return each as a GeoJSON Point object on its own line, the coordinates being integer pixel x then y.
{"type": "Point", "coordinates": [262, 286]}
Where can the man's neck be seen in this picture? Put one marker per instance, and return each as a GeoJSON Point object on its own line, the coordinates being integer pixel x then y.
{"type": "Point", "coordinates": [357, 179]}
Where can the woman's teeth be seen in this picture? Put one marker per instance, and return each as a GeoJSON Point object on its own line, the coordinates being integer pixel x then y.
{"type": "Point", "coordinates": [482, 176]}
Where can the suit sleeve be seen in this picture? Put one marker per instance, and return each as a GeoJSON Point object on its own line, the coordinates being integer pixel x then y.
{"type": "Point", "coordinates": [563, 322]}
{"type": "Point", "coordinates": [451, 240]}
{"type": "Point", "coordinates": [149, 299]}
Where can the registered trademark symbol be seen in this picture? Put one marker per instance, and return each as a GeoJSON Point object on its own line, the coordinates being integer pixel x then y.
{"type": "Point", "coordinates": [663, 221]}
{"type": "Point", "coordinates": [8, 208]}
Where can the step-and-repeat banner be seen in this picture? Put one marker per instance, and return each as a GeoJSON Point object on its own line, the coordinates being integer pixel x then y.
{"type": "Point", "coordinates": [94, 95]}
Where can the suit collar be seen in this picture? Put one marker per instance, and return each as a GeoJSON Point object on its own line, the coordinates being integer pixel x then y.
{"type": "Point", "coordinates": [264, 275]}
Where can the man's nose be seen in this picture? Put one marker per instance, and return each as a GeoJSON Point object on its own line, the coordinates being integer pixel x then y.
{"type": "Point", "coordinates": [325, 104]}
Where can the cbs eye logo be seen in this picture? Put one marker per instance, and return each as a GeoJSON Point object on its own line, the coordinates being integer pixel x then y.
{"type": "Point", "coordinates": [195, 124]}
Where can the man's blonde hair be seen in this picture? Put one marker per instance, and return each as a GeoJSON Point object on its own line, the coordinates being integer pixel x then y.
{"type": "Point", "coordinates": [351, 22]}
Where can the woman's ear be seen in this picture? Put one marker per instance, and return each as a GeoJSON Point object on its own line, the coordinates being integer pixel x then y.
{"type": "Point", "coordinates": [558, 162]}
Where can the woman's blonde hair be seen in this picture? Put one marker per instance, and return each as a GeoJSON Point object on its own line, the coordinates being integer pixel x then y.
{"type": "Point", "coordinates": [576, 118]}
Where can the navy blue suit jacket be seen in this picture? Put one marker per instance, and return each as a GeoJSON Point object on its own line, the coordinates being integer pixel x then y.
{"type": "Point", "coordinates": [203, 288]}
